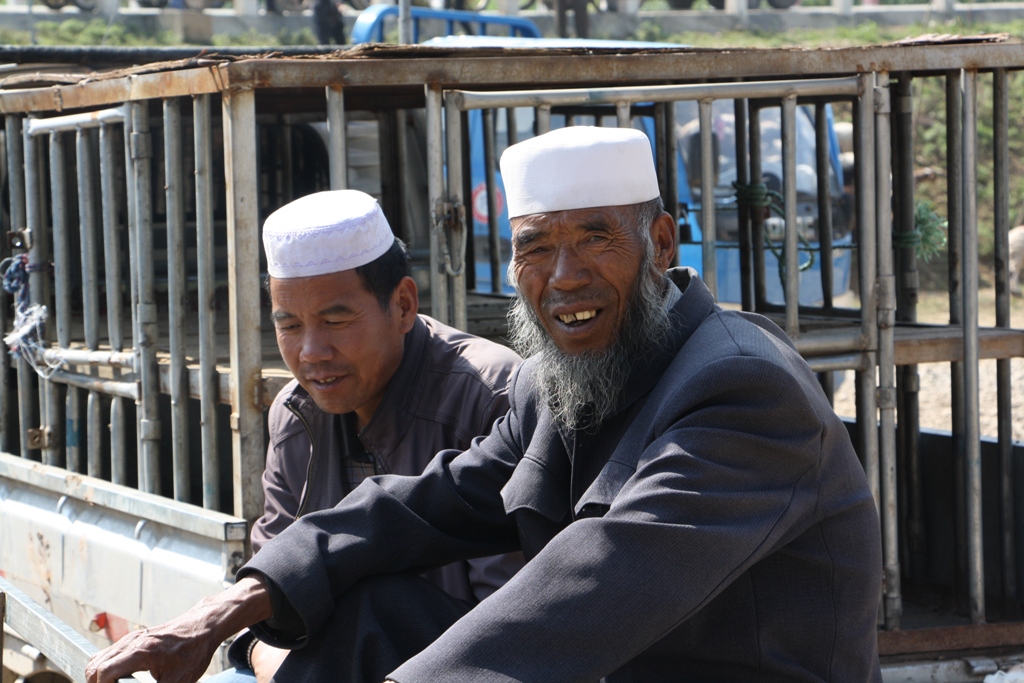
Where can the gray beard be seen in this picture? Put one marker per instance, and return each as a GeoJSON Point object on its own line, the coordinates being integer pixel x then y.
{"type": "Point", "coordinates": [583, 390]}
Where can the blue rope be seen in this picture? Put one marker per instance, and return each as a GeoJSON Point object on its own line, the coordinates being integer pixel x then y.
{"type": "Point", "coordinates": [16, 280]}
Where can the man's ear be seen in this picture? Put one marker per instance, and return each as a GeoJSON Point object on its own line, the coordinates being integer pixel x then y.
{"type": "Point", "coordinates": [663, 234]}
{"type": "Point", "coordinates": [405, 301]}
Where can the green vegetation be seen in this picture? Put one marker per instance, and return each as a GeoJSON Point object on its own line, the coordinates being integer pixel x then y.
{"type": "Point", "coordinates": [253, 37]}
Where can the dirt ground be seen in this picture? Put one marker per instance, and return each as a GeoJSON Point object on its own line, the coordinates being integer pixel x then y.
{"type": "Point", "coordinates": [936, 411]}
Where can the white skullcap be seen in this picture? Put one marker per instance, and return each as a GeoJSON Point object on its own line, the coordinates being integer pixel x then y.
{"type": "Point", "coordinates": [580, 167]}
{"type": "Point", "coordinates": [325, 232]}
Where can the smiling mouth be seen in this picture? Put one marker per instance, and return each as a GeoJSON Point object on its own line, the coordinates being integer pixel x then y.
{"type": "Point", "coordinates": [324, 381]}
{"type": "Point", "coordinates": [576, 318]}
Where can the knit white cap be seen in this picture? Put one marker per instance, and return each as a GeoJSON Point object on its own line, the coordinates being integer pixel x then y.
{"type": "Point", "coordinates": [579, 167]}
{"type": "Point", "coordinates": [325, 232]}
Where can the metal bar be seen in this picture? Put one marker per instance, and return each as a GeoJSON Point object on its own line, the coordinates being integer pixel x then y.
{"type": "Point", "coordinates": [543, 118]}
{"type": "Point", "coordinates": [73, 122]}
{"type": "Point", "coordinates": [1004, 401]}
{"type": "Point", "coordinates": [16, 197]}
{"type": "Point", "coordinates": [824, 165]}
{"type": "Point", "coordinates": [972, 426]}
{"type": "Point", "coordinates": [244, 298]}
{"type": "Point", "coordinates": [512, 132]}
{"type": "Point", "coordinates": [886, 353]}
{"type": "Point", "coordinates": [60, 644]}
{"type": "Point", "coordinates": [96, 384]}
{"type": "Point", "coordinates": [176, 515]}
{"type": "Point", "coordinates": [670, 152]}
{"type": "Point", "coordinates": [832, 341]}
{"type": "Point", "coordinates": [954, 203]}
{"type": "Point", "coordinates": [950, 639]}
{"type": "Point", "coordinates": [133, 277]}
{"type": "Point", "coordinates": [709, 256]}
{"type": "Point", "coordinates": [146, 311]}
{"type": "Point", "coordinates": [71, 421]}
{"type": "Point", "coordinates": [466, 99]}
{"type": "Point", "coordinates": [28, 384]}
{"type": "Point", "coordinates": [90, 291]}
{"type": "Point", "coordinates": [791, 241]}
{"type": "Point", "coordinates": [435, 174]}
{"type": "Point", "coordinates": [757, 216]}
{"type": "Point", "coordinates": [112, 267]}
{"type": "Point", "coordinates": [622, 117]}
{"type": "Point", "coordinates": [493, 238]}
{"type": "Point", "coordinates": [852, 361]}
{"type": "Point", "coordinates": [208, 379]}
{"type": "Point", "coordinates": [115, 359]}
{"type": "Point", "coordinates": [338, 140]}
{"type": "Point", "coordinates": [743, 212]}
{"type": "Point", "coordinates": [457, 238]}
{"type": "Point", "coordinates": [661, 160]}
{"type": "Point", "coordinates": [176, 296]}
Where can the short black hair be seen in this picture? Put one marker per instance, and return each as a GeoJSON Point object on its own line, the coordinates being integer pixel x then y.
{"type": "Point", "coordinates": [381, 276]}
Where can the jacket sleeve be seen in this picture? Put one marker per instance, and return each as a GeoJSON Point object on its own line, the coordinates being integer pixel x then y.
{"type": "Point", "coordinates": [280, 502]}
{"type": "Point", "coordinates": [389, 524]}
{"type": "Point", "coordinates": [731, 477]}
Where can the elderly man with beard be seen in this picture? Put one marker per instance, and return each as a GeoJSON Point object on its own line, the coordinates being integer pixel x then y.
{"type": "Point", "coordinates": [690, 506]}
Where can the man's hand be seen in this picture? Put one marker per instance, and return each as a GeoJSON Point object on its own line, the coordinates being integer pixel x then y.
{"type": "Point", "coordinates": [180, 650]}
{"type": "Point", "coordinates": [266, 660]}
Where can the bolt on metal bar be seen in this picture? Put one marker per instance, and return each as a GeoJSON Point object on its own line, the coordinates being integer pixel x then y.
{"type": "Point", "coordinates": [709, 242]}
{"type": "Point", "coordinates": [73, 122]}
{"type": "Point", "coordinates": [757, 217]}
{"type": "Point", "coordinates": [28, 384]}
{"type": "Point", "coordinates": [110, 202]}
{"type": "Point", "coordinates": [886, 353]}
{"type": "Point", "coordinates": [954, 250]}
{"type": "Point", "coordinates": [466, 100]}
{"type": "Point", "coordinates": [239, 116]}
{"type": "Point", "coordinates": [146, 311]}
{"type": "Point", "coordinates": [457, 237]}
{"type": "Point", "coordinates": [176, 296]}
{"type": "Point", "coordinates": [338, 140]}
{"type": "Point", "coordinates": [791, 244]}
{"type": "Point", "coordinates": [743, 212]}
{"type": "Point", "coordinates": [972, 426]}
{"type": "Point", "coordinates": [90, 291]}
{"type": "Point", "coordinates": [490, 164]}
{"type": "Point", "coordinates": [208, 378]}
{"type": "Point", "coordinates": [1004, 401]}
{"type": "Point", "coordinates": [71, 421]}
{"type": "Point", "coordinates": [823, 163]}
{"type": "Point", "coordinates": [435, 176]}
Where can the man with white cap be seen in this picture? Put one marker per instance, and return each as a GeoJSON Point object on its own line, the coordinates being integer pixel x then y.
{"type": "Point", "coordinates": [689, 504]}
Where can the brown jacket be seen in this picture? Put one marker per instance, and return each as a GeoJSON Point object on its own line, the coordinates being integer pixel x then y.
{"type": "Point", "coordinates": [449, 388]}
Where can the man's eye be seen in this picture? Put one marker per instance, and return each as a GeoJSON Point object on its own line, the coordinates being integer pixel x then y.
{"type": "Point", "coordinates": [287, 328]}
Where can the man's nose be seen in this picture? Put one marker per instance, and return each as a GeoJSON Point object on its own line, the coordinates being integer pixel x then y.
{"type": "Point", "coordinates": [315, 347]}
{"type": "Point", "coordinates": [571, 271]}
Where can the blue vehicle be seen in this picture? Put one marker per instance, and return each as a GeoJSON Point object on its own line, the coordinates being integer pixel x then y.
{"type": "Point", "coordinates": [688, 163]}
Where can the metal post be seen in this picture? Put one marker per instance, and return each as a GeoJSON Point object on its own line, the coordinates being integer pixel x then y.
{"type": "Point", "coordinates": [1001, 159]}
{"type": "Point", "coordinates": [972, 426]}
{"type": "Point", "coordinates": [824, 202]}
{"type": "Point", "coordinates": [709, 258]}
{"type": "Point", "coordinates": [405, 22]}
{"type": "Point", "coordinates": [338, 139]}
{"type": "Point", "coordinates": [244, 299]}
{"type": "Point", "coordinates": [543, 120]}
{"type": "Point", "coordinates": [90, 291]}
{"type": "Point", "coordinates": [743, 212]}
{"type": "Point", "coordinates": [435, 174]}
{"type": "Point", "coordinates": [661, 136]}
{"type": "Point", "coordinates": [457, 238]}
{"type": "Point", "coordinates": [791, 245]}
{"type": "Point", "coordinates": [16, 188]}
{"type": "Point", "coordinates": [29, 414]}
{"type": "Point", "coordinates": [493, 239]}
{"type": "Point", "coordinates": [112, 267]}
{"type": "Point", "coordinates": [146, 311]}
{"type": "Point", "coordinates": [954, 202]}
{"type": "Point", "coordinates": [176, 297]}
{"type": "Point", "coordinates": [669, 151]}
{"type": "Point", "coordinates": [133, 270]}
{"type": "Point", "coordinates": [886, 353]}
{"type": "Point", "coordinates": [757, 216]}
{"type": "Point", "coordinates": [510, 126]}
{"type": "Point", "coordinates": [622, 117]}
{"type": "Point", "coordinates": [6, 404]}
{"type": "Point", "coordinates": [62, 294]}
{"type": "Point", "coordinates": [208, 379]}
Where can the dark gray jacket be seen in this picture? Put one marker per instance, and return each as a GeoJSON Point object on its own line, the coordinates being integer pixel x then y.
{"type": "Point", "coordinates": [718, 528]}
{"type": "Point", "coordinates": [449, 388]}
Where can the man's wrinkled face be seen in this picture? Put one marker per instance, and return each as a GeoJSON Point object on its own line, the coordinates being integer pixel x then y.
{"type": "Point", "coordinates": [338, 342]}
{"type": "Point", "coordinates": [577, 270]}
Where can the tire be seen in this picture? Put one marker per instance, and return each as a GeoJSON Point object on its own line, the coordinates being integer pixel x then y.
{"type": "Point", "coordinates": [153, 4]}
{"type": "Point", "coordinates": [781, 4]}
{"type": "Point", "coordinates": [680, 4]}
{"type": "Point", "coordinates": [751, 4]}
{"type": "Point", "coordinates": [87, 6]}
{"type": "Point", "coordinates": [291, 5]}
{"type": "Point", "coordinates": [54, 4]}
